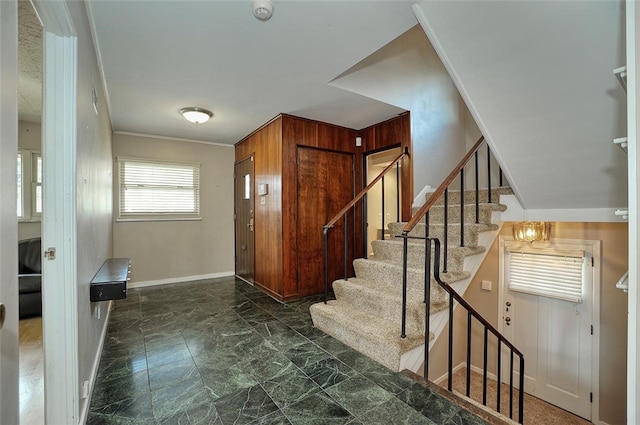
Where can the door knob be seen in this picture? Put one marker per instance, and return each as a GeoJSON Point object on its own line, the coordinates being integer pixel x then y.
{"type": "Point", "coordinates": [3, 315]}
{"type": "Point", "coordinates": [508, 320]}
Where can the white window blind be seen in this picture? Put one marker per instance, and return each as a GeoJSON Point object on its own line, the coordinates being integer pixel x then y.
{"type": "Point", "coordinates": [554, 275]}
{"type": "Point", "coordinates": [149, 188]}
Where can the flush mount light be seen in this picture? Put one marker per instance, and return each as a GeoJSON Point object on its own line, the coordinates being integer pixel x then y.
{"type": "Point", "coordinates": [196, 115]}
{"type": "Point", "coordinates": [262, 9]}
{"type": "Point", "coordinates": [531, 231]}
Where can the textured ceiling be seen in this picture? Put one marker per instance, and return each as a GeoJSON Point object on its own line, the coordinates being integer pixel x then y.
{"type": "Point", "coordinates": [29, 63]}
{"type": "Point", "coordinates": [160, 56]}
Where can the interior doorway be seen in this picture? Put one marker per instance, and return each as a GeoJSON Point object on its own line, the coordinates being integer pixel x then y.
{"type": "Point", "coordinates": [30, 53]}
{"type": "Point", "coordinates": [383, 200]}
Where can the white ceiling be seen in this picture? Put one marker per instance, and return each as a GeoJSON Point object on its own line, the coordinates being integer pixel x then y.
{"type": "Point", "coordinates": [160, 56]}
{"type": "Point", "coordinates": [29, 63]}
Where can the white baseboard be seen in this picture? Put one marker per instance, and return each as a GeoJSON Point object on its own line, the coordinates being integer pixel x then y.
{"type": "Point", "coordinates": [444, 377]}
{"type": "Point", "coordinates": [421, 197]}
{"type": "Point", "coordinates": [462, 365]}
{"type": "Point", "coordinates": [84, 411]}
{"type": "Point", "coordinates": [145, 283]}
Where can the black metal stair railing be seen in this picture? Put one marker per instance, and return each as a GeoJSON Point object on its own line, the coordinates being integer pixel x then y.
{"type": "Point", "coordinates": [454, 297]}
{"type": "Point", "coordinates": [343, 214]}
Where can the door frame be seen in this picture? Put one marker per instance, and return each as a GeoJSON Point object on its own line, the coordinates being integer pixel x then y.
{"type": "Point", "coordinates": [59, 148]}
{"type": "Point", "coordinates": [365, 203]}
{"type": "Point", "coordinates": [595, 250]}
{"type": "Point", "coordinates": [9, 339]}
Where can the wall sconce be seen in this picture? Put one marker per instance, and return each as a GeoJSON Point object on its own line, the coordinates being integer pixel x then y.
{"type": "Point", "coordinates": [531, 231]}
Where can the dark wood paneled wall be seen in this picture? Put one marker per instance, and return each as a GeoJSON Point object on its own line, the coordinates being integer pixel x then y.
{"type": "Point", "coordinates": [303, 132]}
{"type": "Point", "coordinates": [265, 144]}
{"type": "Point", "coordinates": [275, 147]}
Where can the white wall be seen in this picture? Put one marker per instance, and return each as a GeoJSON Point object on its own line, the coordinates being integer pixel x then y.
{"type": "Point", "coordinates": [408, 73]}
{"type": "Point", "coordinates": [538, 79]}
{"type": "Point", "coordinates": [93, 198]}
{"type": "Point", "coordinates": [162, 251]}
{"type": "Point", "coordinates": [29, 137]}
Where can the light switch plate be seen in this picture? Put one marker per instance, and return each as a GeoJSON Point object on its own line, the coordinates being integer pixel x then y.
{"type": "Point", "coordinates": [486, 285]}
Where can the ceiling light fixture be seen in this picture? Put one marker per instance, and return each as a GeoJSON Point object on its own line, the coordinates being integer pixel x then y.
{"type": "Point", "coordinates": [262, 9]}
{"type": "Point", "coordinates": [531, 231]}
{"type": "Point", "coordinates": [196, 115]}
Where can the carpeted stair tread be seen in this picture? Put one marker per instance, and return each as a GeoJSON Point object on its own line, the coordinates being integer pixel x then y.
{"type": "Point", "coordinates": [371, 335]}
{"type": "Point", "coordinates": [392, 251]}
{"type": "Point", "coordinates": [368, 296]}
{"type": "Point", "coordinates": [470, 195]}
{"type": "Point", "coordinates": [392, 274]}
{"type": "Point", "coordinates": [396, 229]}
{"type": "Point", "coordinates": [485, 212]}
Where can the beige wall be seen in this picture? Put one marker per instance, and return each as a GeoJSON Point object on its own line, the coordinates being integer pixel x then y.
{"type": "Point", "coordinates": [613, 312]}
{"type": "Point", "coordinates": [162, 250]}
{"type": "Point", "coordinates": [93, 199]}
{"type": "Point", "coordinates": [29, 137]}
{"type": "Point", "coordinates": [408, 73]}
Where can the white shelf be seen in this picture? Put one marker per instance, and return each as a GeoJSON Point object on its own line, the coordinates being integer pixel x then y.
{"type": "Point", "coordinates": [621, 74]}
{"type": "Point", "coordinates": [621, 142]}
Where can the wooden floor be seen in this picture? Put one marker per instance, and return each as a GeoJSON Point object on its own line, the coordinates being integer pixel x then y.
{"type": "Point", "coordinates": [31, 372]}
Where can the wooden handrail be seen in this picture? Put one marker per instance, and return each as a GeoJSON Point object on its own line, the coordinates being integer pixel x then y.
{"type": "Point", "coordinates": [440, 190]}
{"type": "Point", "coordinates": [365, 190]}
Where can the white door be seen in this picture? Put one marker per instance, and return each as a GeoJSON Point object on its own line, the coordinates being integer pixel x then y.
{"type": "Point", "coordinates": [556, 339]}
{"type": "Point", "coordinates": [8, 219]}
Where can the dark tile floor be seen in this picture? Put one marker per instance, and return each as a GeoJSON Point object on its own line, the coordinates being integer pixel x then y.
{"type": "Point", "coordinates": [222, 352]}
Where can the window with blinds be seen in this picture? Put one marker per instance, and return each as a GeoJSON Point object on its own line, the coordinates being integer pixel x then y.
{"type": "Point", "coordinates": [157, 190]}
{"type": "Point", "coordinates": [549, 274]}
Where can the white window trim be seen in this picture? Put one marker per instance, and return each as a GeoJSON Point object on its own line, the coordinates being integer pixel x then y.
{"type": "Point", "coordinates": [158, 216]}
{"type": "Point", "coordinates": [29, 215]}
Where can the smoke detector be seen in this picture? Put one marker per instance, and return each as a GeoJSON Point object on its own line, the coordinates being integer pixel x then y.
{"type": "Point", "coordinates": [262, 9]}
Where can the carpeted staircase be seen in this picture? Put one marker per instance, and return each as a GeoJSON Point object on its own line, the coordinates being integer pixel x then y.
{"type": "Point", "coordinates": [366, 314]}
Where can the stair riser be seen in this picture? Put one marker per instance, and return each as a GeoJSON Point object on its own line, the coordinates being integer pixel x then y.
{"type": "Point", "coordinates": [393, 253]}
{"type": "Point", "coordinates": [435, 231]}
{"type": "Point", "coordinates": [436, 214]}
{"type": "Point", "coordinates": [391, 277]}
{"type": "Point", "coordinates": [390, 308]}
{"type": "Point", "coordinates": [382, 353]}
{"type": "Point", "coordinates": [470, 196]}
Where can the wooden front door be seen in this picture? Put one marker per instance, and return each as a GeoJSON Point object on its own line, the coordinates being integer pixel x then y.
{"type": "Point", "coordinates": [325, 185]}
{"type": "Point", "coordinates": [245, 251]}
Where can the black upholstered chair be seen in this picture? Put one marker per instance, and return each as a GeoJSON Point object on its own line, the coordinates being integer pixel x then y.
{"type": "Point", "coordinates": [30, 277]}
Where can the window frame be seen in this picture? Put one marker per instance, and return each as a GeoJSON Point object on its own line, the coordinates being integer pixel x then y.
{"type": "Point", "coordinates": [29, 184]}
{"type": "Point", "coordinates": [121, 216]}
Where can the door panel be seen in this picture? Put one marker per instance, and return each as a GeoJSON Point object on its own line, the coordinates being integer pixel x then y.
{"type": "Point", "coordinates": [244, 220]}
{"type": "Point", "coordinates": [554, 336]}
{"type": "Point", "coordinates": [325, 186]}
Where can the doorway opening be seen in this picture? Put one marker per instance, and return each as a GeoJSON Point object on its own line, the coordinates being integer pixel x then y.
{"type": "Point", "coordinates": [383, 203]}
{"type": "Point", "coordinates": [29, 178]}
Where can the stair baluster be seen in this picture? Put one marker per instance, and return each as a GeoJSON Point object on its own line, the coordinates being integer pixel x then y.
{"type": "Point", "coordinates": [454, 297]}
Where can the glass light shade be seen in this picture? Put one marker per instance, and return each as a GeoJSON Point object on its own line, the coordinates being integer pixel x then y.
{"type": "Point", "coordinates": [196, 115]}
{"type": "Point", "coordinates": [531, 231]}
